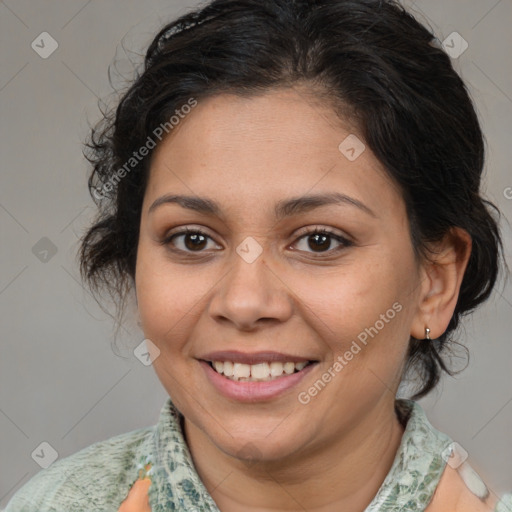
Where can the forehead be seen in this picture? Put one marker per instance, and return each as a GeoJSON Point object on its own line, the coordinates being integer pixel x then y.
{"type": "Point", "coordinates": [282, 121]}
{"type": "Point", "coordinates": [252, 150]}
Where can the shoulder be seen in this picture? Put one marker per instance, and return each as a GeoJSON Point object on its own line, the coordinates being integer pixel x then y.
{"type": "Point", "coordinates": [505, 503]}
{"type": "Point", "coordinates": [461, 490]}
{"type": "Point", "coordinates": [446, 480]}
{"type": "Point", "coordinates": [97, 477]}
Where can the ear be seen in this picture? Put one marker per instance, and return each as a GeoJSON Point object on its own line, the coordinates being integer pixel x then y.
{"type": "Point", "coordinates": [441, 278]}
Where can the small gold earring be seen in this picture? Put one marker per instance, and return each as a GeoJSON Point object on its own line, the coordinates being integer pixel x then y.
{"type": "Point", "coordinates": [427, 333]}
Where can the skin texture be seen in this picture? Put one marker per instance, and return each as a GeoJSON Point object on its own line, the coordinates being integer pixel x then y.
{"type": "Point", "coordinates": [453, 495]}
{"type": "Point", "coordinates": [247, 154]}
{"type": "Point", "coordinates": [137, 499]}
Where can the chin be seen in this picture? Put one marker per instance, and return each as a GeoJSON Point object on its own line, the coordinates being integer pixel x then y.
{"type": "Point", "coordinates": [267, 442]}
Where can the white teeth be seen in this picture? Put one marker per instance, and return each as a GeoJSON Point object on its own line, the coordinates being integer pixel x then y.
{"type": "Point", "coordinates": [260, 371]}
{"type": "Point", "coordinates": [241, 370]}
{"type": "Point", "coordinates": [289, 368]}
{"type": "Point", "coordinates": [228, 369]}
{"type": "Point", "coordinates": [257, 372]}
{"type": "Point", "coordinates": [276, 369]}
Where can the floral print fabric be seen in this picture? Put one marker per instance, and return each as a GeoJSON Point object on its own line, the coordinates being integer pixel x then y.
{"type": "Point", "coordinates": [151, 470]}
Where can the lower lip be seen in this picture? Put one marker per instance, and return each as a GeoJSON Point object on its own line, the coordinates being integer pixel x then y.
{"type": "Point", "coordinates": [244, 391]}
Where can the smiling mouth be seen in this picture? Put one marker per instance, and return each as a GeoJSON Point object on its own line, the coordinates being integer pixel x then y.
{"type": "Point", "coordinates": [261, 372]}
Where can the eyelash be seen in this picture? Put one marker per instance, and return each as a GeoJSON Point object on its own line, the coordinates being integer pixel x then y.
{"type": "Point", "coordinates": [345, 243]}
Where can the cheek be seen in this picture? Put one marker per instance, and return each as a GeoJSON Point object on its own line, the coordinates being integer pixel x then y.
{"type": "Point", "coordinates": [162, 300]}
{"type": "Point", "coordinates": [171, 300]}
{"type": "Point", "coordinates": [361, 310]}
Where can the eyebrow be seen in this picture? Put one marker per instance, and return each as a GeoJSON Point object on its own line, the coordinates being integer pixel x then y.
{"type": "Point", "coordinates": [284, 208]}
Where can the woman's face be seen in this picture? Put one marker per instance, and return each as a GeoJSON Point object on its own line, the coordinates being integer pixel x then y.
{"type": "Point", "coordinates": [260, 289]}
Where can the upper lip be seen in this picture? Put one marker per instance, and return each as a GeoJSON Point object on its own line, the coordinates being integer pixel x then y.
{"type": "Point", "coordinates": [252, 358]}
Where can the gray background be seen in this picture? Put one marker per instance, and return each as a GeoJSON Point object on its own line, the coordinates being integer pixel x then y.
{"type": "Point", "coordinates": [60, 380]}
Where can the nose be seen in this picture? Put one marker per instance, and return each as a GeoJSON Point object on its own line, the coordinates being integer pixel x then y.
{"type": "Point", "coordinates": [251, 294]}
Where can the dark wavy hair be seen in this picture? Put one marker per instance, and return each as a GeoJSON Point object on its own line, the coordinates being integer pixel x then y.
{"type": "Point", "coordinates": [374, 63]}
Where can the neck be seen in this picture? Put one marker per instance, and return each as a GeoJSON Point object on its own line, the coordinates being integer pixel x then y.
{"type": "Point", "coordinates": [344, 473]}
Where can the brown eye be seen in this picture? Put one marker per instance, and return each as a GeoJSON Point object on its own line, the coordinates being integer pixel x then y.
{"type": "Point", "coordinates": [321, 240]}
{"type": "Point", "coordinates": [188, 240]}
{"type": "Point", "coordinates": [194, 241]}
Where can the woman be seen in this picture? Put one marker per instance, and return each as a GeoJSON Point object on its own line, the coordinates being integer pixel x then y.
{"type": "Point", "coordinates": [291, 191]}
